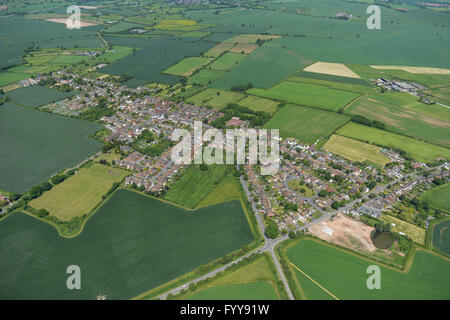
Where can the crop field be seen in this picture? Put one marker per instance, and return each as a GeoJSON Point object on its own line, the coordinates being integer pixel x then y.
{"type": "Point", "coordinates": [215, 98]}
{"type": "Point", "coordinates": [219, 49]}
{"type": "Point", "coordinates": [9, 77]}
{"type": "Point", "coordinates": [438, 197]}
{"type": "Point", "coordinates": [226, 190]}
{"type": "Point", "coordinates": [415, 233]}
{"type": "Point", "coordinates": [264, 68]}
{"type": "Point", "coordinates": [441, 236]}
{"type": "Point", "coordinates": [251, 38]}
{"type": "Point", "coordinates": [344, 274]}
{"type": "Point", "coordinates": [388, 108]}
{"type": "Point", "coordinates": [259, 104]}
{"type": "Point", "coordinates": [255, 280]}
{"type": "Point", "coordinates": [194, 185]}
{"type": "Point", "coordinates": [335, 69]}
{"type": "Point", "coordinates": [244, 48]}
{"type": "Point", "coordinates": [415, 69]}
{"type": "Point", "coordinates": [187, 66]}
{"type": "Point", "coordinates": [132, 244]}
{"type": "Point", "coordinates": [227, 61]}
{"type": "Point", "coordinates": [307, 95]}
{"type": "Point", "coordinates": [306, 124]}
{"type": "Point", "coordinates": [205, 77]}
{"type": "Point", "coordinates": [355, 150]}
{"type": "Point", "coordinates": [418, 150]}
{"type": "Point", "coordinates": [36, 96]}
{"type": "Point", "coordinates": [79, 194]}
{"type": "Point", "coordinates": [35, 145]}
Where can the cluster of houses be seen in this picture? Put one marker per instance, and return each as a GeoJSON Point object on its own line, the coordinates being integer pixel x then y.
{"type": "Point", "coordinates": [402, 86]}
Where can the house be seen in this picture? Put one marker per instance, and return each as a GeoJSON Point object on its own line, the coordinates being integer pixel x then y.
{"type": "Point", "coordinates": [235, 122]}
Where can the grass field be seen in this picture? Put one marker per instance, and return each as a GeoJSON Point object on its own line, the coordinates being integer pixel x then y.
{"type": "Point", "coordinates": [244, 48]}
{"type": "Point", "coordinates": [219, 49]}
{"type": "Point", "coordinates": [79, 194]}
{"type": "Point", "coordinates": [205, 77]}
{"type": "Point", "coordinates": [415, 233]}
{"type": "Point", "coordinates": [441, 236]}
{"type": "Point", "coordinates": [307, 95]}
{"type": "Point", "coordinates": [259, 104]}
{"type": "Point", "coordinates": [132, 244]}
{"type": "Point", "coordinates": [36, 96]}
{"type": "Point", "coordinates": [255, 280]}
{"type": "Point", "coordinates": [227, 61]}
{"type": "Point", "coordinates": [35, 145]}
{"type": "Point", "coordinates": [304, 123]}
{"type": "Point", "coordinates": [250, 38]}
{"type": "Point", "coordinates": [195, 185]}
{"type": "Point", "coordinates": [9, 77]}
{"type": "Point", "coordinates": [187, 66]}
{"type": "Point", "coordinates": [355, 150]}
{"type": "Point", "coordinates": [419, 150]}
{"type": "Point", "coordinates": [226, 190]}
{"type": "Point", "coordinates": [344, 274]}
{"type": "Point", "coordinates": [404, 114]}
{"type": "Point", "coordinates": [438, 197]}
{"type": "Point", "coordinates": [215, 98]}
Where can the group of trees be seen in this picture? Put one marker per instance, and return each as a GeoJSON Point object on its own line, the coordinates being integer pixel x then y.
{"type": "Point", "coordinates": [256, 118]}
{"type": "Point", "coordinates": [368, 122]}
{"type": "Point", "coordinates": [242, 87]}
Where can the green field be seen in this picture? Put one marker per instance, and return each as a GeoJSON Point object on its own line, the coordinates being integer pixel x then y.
{"type": "Point", "coordinates": [205, 77]}
{"type": "Point", "coordinates": [398, 112]}
{"type": "Point", "coordinates": [419, 150]}
{"type": "Point", "coordinates": [415, 233]}
{"type": "Point", "coordinates": [344, 274]}
{"type": "Point", "coordinates": [187, 66]}
{"type": "Point", "coordinates": [227, 61]}
{"type": "Point", "coordinates": [304, 123]}
{"type": "Point", "coordinates": [219, 49]}
{"type": "Point", "coordinates": [9, 77]}
{"type": "Point", "coordinates": [35, 145]}
{"type": "Point", "coordinates": [132, 244]}
{"type": "Point", "coordinates": [215, 98]}
{"type": "Point", "coordinates": [307, 95]}
{"type": "Point", "coordinates": [79, 194]}
{"type": "Point", "coordinates": [36, 96]}
{"type": "Point", "coordinates": [259, 104]}
{"type": "Point", "coordinates": [355, 150]}
{"type": "Point", "coordinates": [226, 190]}
{"type": "Point", "coordinates": [253, 280]}
{"type": "Point", "coordinates": [195, 185]}
{"type": "Point", "coordinates": [441, 236]}
{"type": "Point", "coordinates": [438, 197]}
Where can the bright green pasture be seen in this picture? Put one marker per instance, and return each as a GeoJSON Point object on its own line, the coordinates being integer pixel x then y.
{"type": "Point", "coordinates": [304, 123]}
{"type": "Point", "coordinates": [9, 77]}
{"type": "Point", "coordinates": [132, 244]}
{"type": "Point", "coordinates": [419, 150]}
{"type": "Point", "coordinates": [438, 197]}
{"type": "Point", "coordinates": [187, 66]}
{"type": "Point", "coordinates": [215, 98]}
{"type": "Point", "coordinates": [205, 77]}
{"type": "Point", "coordinates": [227, 61]}
{"type": "Point", "coordinates": [35, 145]}
{"type": "Point", "coordinates": [345, 275]}
{"type": "Point", "coordinates": [261, 290]}
{"type": "Point", "coordinates": [441, 236]}
{"type": "Point", "coordinates": [307, 95]}
{"type": "Point", "coordinates": [259, 104]}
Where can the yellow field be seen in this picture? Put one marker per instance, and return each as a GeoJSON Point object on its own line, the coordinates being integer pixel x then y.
{"type": "Point", "coordinates": [79, 194]}
{"type": "Point", "coordinates": [415, 233]}
{"type": "Point", "coordinates": [244, 48]}
{"type": "Point", "coordinates": [423, 70]}
{"type": "Point", "coordinates": [218, 50]}
{"type": "Point", "coordinates": [250, 38]}
{"type": "Point", "coordinates": [336, 69]}
{"type": "Point", "coordinates": [355, 150]}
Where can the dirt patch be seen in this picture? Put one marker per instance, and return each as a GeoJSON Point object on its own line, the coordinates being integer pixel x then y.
{"type": "Point", "coordinates": [336, 69]}
{"type": "Point", "coordinates": [346, 232]}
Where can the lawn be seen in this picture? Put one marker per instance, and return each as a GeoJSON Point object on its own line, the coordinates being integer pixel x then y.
{"type": "Point", "coordinates": [205, 77]}
{"type": "Point", "coordinates": [35, 145]}
{"type": "Point", "coordinates": [441, 236]}
{"type": "Point", "coordinates": [398, 112]}
{"type": "Point", "coordinates": [215, 98]}
{"type": "Point", "coordinates": [227, 61]}
{"type": "Point", "coordinates": [355, 150]}
{"type": "Point", "coordinates": [256, 280]}
{"type": "Point", "coordinates": [415, 233]}
{"type": "Point", "coordinates": [194, 185]}
{"type": "Point", "coordinates": [36, 96]}
{"type": "Point", "coordinates": [306, 124]}
{"type": "Point", "coordinates": [132, 244]}
{"type": "Point", "coordinates": [438, 197]}
{"type": "Point", "coordinates": [344, 274]}
{"type": "Point", "coordinates": [307, 95]}
{"type": "Point", "coordinates": [187, 66]}
{"type": "Point", "coordinates": [298, 188]}
{"type": "Point", "coordinates": [418, 150]}
{"type": "Point", "coordinates": [79, 194]}
{"type": "Point", "coordinates": [259, 104]}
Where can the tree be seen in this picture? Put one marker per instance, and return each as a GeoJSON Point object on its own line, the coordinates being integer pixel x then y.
{"type": "Point", "coordinates": [14, 196]}
{"type": "Point", "coordinates": [272, 230]}
{"type": "Point", "coordinates": [335, 205]}
{"type": "Point", "coordinates": [203, 167]}
{"type": "Point", "coordinates": [322, 193]}
{"type": "Point", "coordinates": [42, 213]}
